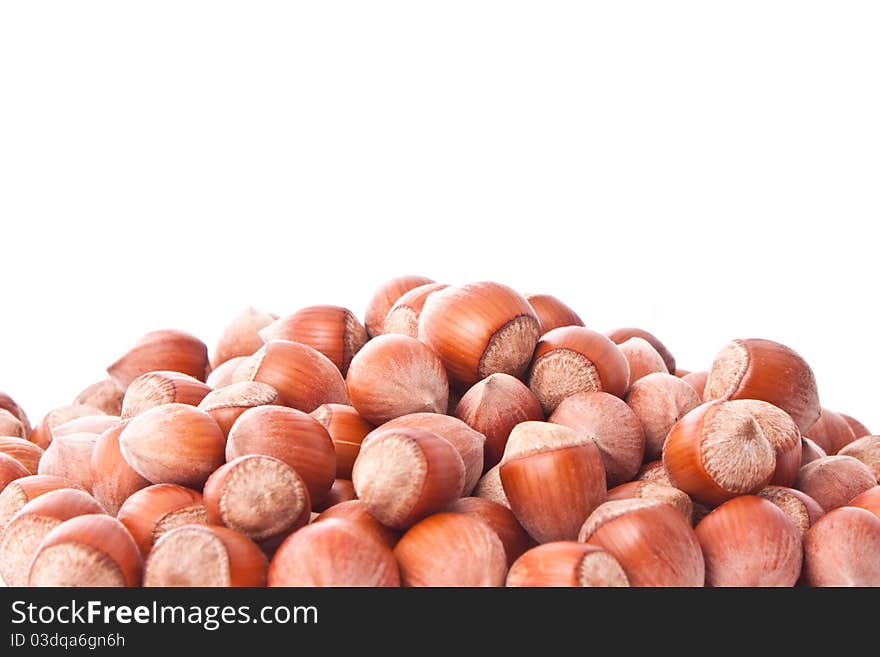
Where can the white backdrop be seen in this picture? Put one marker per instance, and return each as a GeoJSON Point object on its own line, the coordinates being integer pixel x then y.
{"type": "Point", "coordinates": [703, 170]}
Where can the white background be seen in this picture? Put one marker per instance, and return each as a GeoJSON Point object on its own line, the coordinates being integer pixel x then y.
{"type": "Point", "coordinates": [703, 170]}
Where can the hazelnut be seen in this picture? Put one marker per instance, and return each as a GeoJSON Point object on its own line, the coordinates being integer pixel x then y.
{"type": "Point", "coordinates": [835, 480]}
{"type": "Point", "coordinates": [7, 403]}
{"type": "Point", "coordinates": [96, 424]}
{"type": "Point", "coordinates": [174, 444]}
{"type": "Point", "coordinates": [332, 330]}
{"type": "Point", "coordinates": [643, 359]}
{"type": "Point", "coordinates": [614, 427]}
{"type": "Point", "coordinates": [489, 487]}
{"type": "Point", "coordinates": [21, 491]}
{"type": "Point", "coordinates": [769, 371]}
{"type": "Point", "coordinates": [859, 429]}
{"type": "Point", "coordinates": [553, 478]}
{"type": "Point", "coordinates": [224, 374]}
{"type": "Point", "coordinates": [697, 381]}
{"type": "Point", "coordinates": [810, 451]}
{"type": "Point", "coordinates": [395, 375]}
{"type": "Point", "coordinates": [153, 511]}
{"type": "Point", "coordinates": [869, 500]}
{"type": "Point", "coordinates": [799, 507]}
{"type": "Point", "coordinates": [479, 329]}
{"type": "Point", "coordinates": [621, 335]}
{"type": "Point", "coordinates": [341, 491]}
{"type": "Point", "coordinates": [156, 388]}
{"type": "Point", "coordinates": [26, 529]}
{"type": "Point", "coordinates": [451, 549]}
{"type": "Point", "coordinates": [70, 457]}
{"type": "Point", "coordinates": [841, 549]}
{"type": "Point", "coordinates": [782, 433]}
{"type": "Point", "coordinates": [385, 297]}
{"type": "Point", "coordinates": [718, 451]}
{"type": "Point", "coordinates": [403, 475]}
{"type": "Point", "coordinates": [227, 404]}
{"type": "Point", "coordinates": [647, 490]}
{"type": "Point", "coordinates": [43, 432]}
{"type": "Point", "coordinates": [88, 550]}
{"type": "Point", "coordinates": [113, 479]}
{"type": "Point", "coordinates": [566, 564]}
{"type": "Point", "coordinates": [500, 519]}
{"type": "Point", "coordinates": [748, 541]}
{"type": "Point", "coordinates": [104, 395]}
{"type": "Point", "coordinates": [160, 351]}
{"type": "Point", "coordinates": [11, 425]}
{"type": "Point", "coordinates": [258, 496]}
{"type": "Point", "coordinates": [347, 429]}
{"type": "Point", "coordinates": [493, 407]}
{"type": "Point", "coordinates": [304, 377]}
{"type": "Point", "coordinates": [466, 441]}
{"type": "Point", "coordinates": [291, 436]}
{"type": "Point", "coordinates": [241, 336]}
{"type": "Point", "coordinates": [659, 401]}
{"type": "Point", "coordinates": [867, 450]}
{"type": "Point", "coordinates": [203, 555]}
{"type": "Point", "coordinates": [403, 317]}
{"type": "Point", "coordinates": [355, 512]}
{"type": "Point", "coordinates": [574, 359]}
{"type": "Point", "coordinates": [23, 451]}
{"type": "Point", "coordinates": [333, 552]}
{"type": "Point", "coordinates": [650, 540]}
{"type": "Point", "coordinates": [552, 313]}
{"type": "Point", "coordinates": [831, 432]}
{"type": "Point", "coordinates": [10, 470]}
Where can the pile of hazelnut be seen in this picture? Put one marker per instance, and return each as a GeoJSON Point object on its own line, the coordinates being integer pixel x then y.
{"type": "Point", "coordinates": [464, 436]}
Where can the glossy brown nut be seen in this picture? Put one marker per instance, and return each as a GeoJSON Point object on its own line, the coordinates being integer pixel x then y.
{"type": "Point", "coordinates": [332, 330]}
{"type": "Point", "coordinates": [857, 427]}
{"type": "Point", "coordinates": [552, 313]}
{"type": "Point", "coordinates": [44, 431]}
{"type": "Point", "coordinates": [347, 430]}
{"type": "Point", "coordinates": [27, 528]}
{"type": "Point", "coordinates": [801, 509]}
{"type": "Point", "coordinates": [869, 500]}
{"type": "Point", "coordinates": [653, 543]}
{"type": "Point", "coordinates": [479, 329]}
{"type": "Point", "coordinates": [647, 490]}
{"type": "Point", "coordinates": [385, 297]}
{"type": "Point", "coordinates": [403, 317]}
{"type": "Point", "coordinates": [451, 549]}
{"type": "Point", "coordinates": [7, 403]}
{"type": "Point", "coordinates": [113, 479]}
{"type": "Point", "coordinates": [697, 381]}
{"type": "Point", "coordinates": [718, 451]}
{"type": "Point", "coordinates": [304, 377]}
{"type": "Point", "coordinates": [396, 375]}
{"type": "Point", "coordinates": [467, 442]}
{"type": "Point", "coordinates": [156, 388]}
{"type": "Point", "coordinates": [493, 407]}
{"type": "Point", "coordinates": [553, 478]}
{"type": "Point", "coordinates": [203, 555]}
{"type": "Point", "coordinates": [831, 432]}
{"type": "Point", "coordinates": [403, 475]}
{"type": "Point", "coordinates": [566, 564]}
{"type": "Point", "coordinates": [643, 359]}
{"type": "Point", "coordinates": [659, 401]}
{"type": "Point", "coordinates": [104, 395]}
{"type": "Point", "coordinates": [782, 433]}
{"type": "Point", "coordinates": [621, 335]}
{"type": "Point", "coordinates": [574, 359]}
{"type": "Point", "coordinates": [291, 436]}
{"type": "Point", "coordinates": [835, 480]}
{"type": "Point", "coordinates": [355, 512]}
{"type": "Point", "coordinates": [11, 426]}
{"type": "Point", "coordinates": [21, 491]}
{"type": "Point", "coordinates": [258, 496]}
{"type": "Point", "coordinates": [333, 552]}
{"type": "Point", "coordinates": [70, 457]}
{"type": "Point", "coordinates": [160, 351]}
{"type": "Point", "coordinates": [23, 451]}
{"type": "Point", "coordinates": [500, 519]}
{"type": "Point", "coordinates": [173, 444]}
{"type": "Point", "coordinates": [151, 512]}
{"type": "Point", "coordinates": [229, 403]}
{"type": "Point", "coordinates": [88, 550]}
{"type": "Point", "coordinates": [614, 427]}
{"type": "Point", "coordinates": [241, 336]}
{"type": "Point", "coordinates": [841, 549]}
{"type": "Point", "coordinates": [769, 371]}
{"type": "Point", "coordinates": [748, 541]}
{"type": "Point", "coordinates": [867, 450]}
